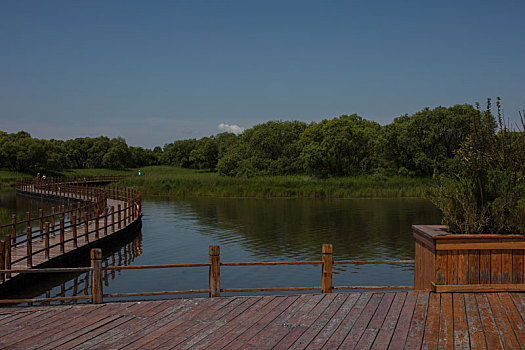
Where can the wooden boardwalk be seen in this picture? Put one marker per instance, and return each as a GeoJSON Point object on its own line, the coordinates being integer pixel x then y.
{"type": "Point", "coordinates": [19, 252]}
{"type": "Point", "coordinates": [392, 320]}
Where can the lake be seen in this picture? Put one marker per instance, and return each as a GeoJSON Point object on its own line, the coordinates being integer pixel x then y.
{"type": "Point", "coordinates": [180, 231]}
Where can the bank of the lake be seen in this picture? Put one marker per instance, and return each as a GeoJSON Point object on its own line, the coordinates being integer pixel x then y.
{"type": "Point", "coordinates": [180, 182]}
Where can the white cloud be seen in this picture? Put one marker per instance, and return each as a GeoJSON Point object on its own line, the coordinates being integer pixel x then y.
{"type": "Point", "coordinates": [236, 129]}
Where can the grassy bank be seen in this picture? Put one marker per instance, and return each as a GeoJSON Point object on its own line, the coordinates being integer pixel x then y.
{"type": "Point", "coordinates": [178, 182]}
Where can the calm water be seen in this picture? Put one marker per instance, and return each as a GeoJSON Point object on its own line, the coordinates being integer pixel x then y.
{"type": "Point", "coordinates": [180, 231]}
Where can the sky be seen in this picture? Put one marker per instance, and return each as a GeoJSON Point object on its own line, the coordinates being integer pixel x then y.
{"type": "Point", "coordinates": [158, 71]}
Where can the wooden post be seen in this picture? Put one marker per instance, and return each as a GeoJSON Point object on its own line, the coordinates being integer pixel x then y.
{"type": "Point", "coordinates": [46, 241]}
{"type": "Point", "coordinates": [96, 276]}
{"type": "Point", "coordinates": [28, 218]}
{"type": "Point", "coordinates": [327, 268]}
{"type": "Point", "coordinates": [62, 235]}
{"type": "Point", "coordinates": [29, 248]}
{"type": "Point", "coordinates": [97, 236]}
{"type": "Point", "coordinates": [112, 218]}
{"type": "Point", "coordinates": [105, 221]}
{"type": "Point", "coordinates": [215, 271]}
{"type": "Point", "coordinates": [79, 215]}
{"type": "Point", "coordinates": [2, 260]}
{"type": "Point", "coordinates": [119, 217]}
{"type": "Point", "coordinates": [41, 222]}
{"type": "Point", "coordinates": [86, 226]}
{"type": "Point", "coordinates": [53, 220]}
{"type": "Point", "coordinates": [74, 230]}
{"type": "Point", "coordinates": [13, 231]}
{"type": "Point", "coordinates": [8, 254]}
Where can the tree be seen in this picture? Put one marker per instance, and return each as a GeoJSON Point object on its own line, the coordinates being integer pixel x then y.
{"type": "Point", "coordinates": [426, 141]}
{"type": "Point", "coordinates": [341, 146]}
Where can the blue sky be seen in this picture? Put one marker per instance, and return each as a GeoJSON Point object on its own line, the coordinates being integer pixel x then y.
{"type": "Point", "coordinates": [156, 71]}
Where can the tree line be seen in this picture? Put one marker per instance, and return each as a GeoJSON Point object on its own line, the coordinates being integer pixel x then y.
{"type": "Point", "coordinates": [417, 144]}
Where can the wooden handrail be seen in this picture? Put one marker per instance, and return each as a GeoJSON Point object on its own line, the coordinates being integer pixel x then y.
{"type": "Point", "coordinates": [98, 271]}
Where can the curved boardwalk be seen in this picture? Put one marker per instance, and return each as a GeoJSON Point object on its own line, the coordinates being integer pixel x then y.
{"type": "Point", "coordinates": [397, 320]}
{"type": "Point", "coordinates": [104, 213]}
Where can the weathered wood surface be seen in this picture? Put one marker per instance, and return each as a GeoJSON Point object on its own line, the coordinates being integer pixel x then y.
{"type": "Point", "coordinates": [400, 320]}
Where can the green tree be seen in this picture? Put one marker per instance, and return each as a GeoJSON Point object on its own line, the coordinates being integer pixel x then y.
{"type": "Point", "coordinates": [341, 146]}
{"type": "Point", "coordinates": [426, 141]}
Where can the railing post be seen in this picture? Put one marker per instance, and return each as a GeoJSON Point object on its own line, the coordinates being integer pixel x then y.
{"type": "Point", "coordinates": [28, 218]}
{"type": "Point", "coordinates": [326, 284]}
{"type": "Point", "coordinates": [46, 242]}
{"type": "Point", "coordinates": [119, 217]}
{"type": "Point", "coordinates": [86, 226]}
{"type": "Point", "coordinates": [105, 221]}
{"type": "Point", "coordinates": [53, 220]}
{"type": "Point", "coordinates": [112, 218]}
{"type": "Point", "coordinates": [29, 247]}
{"type": "Point", "coordinates": [74, 230]}
{"type": "Point", "coordinates": [215, 271]}
{"type": "Point", "coordinates": [41, 222]}
{"type": "Point", "coordinates": [8, 255]}
{"type": "Point", "coordinates": [97, 235]}
{"type": "Point", "coordinates": [2, 260]}
{"type": "Point", "coordinates": [13, 231]}
{"type": "Point", "coordinates": [62, 238]}
{"type": "Point", "coordinates": [96, 276]}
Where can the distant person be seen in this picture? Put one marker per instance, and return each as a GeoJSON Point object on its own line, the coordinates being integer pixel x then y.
{"type": "Point", "coordinates": [140, 173]}
{"type": "Point", "coordinates": [44, 177]}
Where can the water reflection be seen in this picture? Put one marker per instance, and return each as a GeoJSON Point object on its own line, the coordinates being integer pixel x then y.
{"type": "Point", "coordinates": [295, 229]}
{"type": "Point", "coordinates": [78, 284]}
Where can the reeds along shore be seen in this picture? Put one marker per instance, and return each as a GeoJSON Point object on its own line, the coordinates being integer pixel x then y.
{"type": "Point", "coordinates": [179, 182]}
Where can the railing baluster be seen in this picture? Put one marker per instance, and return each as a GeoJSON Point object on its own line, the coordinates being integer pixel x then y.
{"type": "Point", "coordinates": [327, 254]}
{"type": "Point", "coordinates": [96, 280]}
{"type": "Point", "coordinates": [215, 271]}
{"type": "Point", "coordinates": [29, 247]}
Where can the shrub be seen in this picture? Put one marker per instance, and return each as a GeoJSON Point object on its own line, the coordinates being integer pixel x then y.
{"type": "Point", "coordinates": [484, 192]}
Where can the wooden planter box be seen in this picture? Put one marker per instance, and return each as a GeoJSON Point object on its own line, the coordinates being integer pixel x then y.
{"type": "Point", "coordinates": [446, 262]}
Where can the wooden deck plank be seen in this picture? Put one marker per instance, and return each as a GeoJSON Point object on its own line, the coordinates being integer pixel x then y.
{"type": "Point", "coordinates": [362, 321]}
{"type": "Point", "coordinates": [396, 320]}
{"type": "Point", "coordinates": [277, 330]}
{"type": "Point", "coordinates": [375, 324]}
{"type": "Point", "coordinates": [461, 331]}
{"type": "Point", "coordinates": [334, 322]}
{"type": "Point", "coordinates": [189, 322]}
{"type": "Point", "coordinates": [403, 324]}
{"type": "Point", "coordinates": [417, 326]}
{"type": "Point", "coordinates": [489, 324]}
{"type": "Point", "coordinates": [505, 329]}
{"type": "Point", "coordinates": [431, 334]}
{"type": "Point", "coordinates": [299, 340]}
{"type": "Point", "coordinates": [243, 339]}
{"type": "Point", "coordinates": [446, 322]}
{"type": "Point", "coordinates": [238, 323]}
{"type": "Point", "coordinates": [247, 321]}
{"type": "Point", "coordinates": [344, 328]}
{"type": "Point", "coordinates": [477, 337]}
{"type": "Point", "coordinates": [228, 317]}
{"type": "Point", "coordinates": [384, 336]}
{"type": "Point", "coordinates": [519, 302]}
{"type": "Point", "coordinates": [514, 317]}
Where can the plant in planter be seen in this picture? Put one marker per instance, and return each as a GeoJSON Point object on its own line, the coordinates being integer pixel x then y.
{"type": "Point", "coordinates": [482, 244]}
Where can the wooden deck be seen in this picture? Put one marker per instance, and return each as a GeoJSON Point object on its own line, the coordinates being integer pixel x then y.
{"type": "Point", "coordinates": [394, 320]}
{"type": "Point", "coordinates": [20, 251]}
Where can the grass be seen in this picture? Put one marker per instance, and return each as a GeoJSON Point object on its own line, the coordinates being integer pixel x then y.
{"type": "Point", "coordinates": [179, 182]}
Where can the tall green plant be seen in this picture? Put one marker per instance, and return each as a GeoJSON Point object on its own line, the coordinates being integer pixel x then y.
{"type": "Point", "coordinates": [485, 190]}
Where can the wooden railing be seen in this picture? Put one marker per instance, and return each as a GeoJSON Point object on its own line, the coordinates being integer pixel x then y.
{"type": "Point", "coordinates": [214, 265]}
{"type": "Point", "coordinates": [93, 217]}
